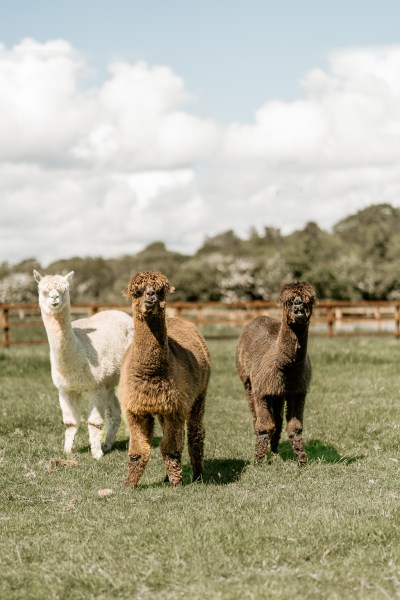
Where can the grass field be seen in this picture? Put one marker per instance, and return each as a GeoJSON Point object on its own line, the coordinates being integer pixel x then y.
{"type": "Point", "coordinates": [330, 530]}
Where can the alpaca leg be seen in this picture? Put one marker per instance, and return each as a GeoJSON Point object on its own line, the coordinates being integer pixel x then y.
{"type": "Point", "coordinates": [250, 399]}
{"type": "Point", "coordinates": [172, 445]}
{"type": "Point", "coordinates": [277, 408]}
{"type": "Point", "coordinates": [294, 427]}
{"type": "Point", "coordinates": [140, 434]}
{"type": "Point", "coordinates": [195, 436]}
{"type": "Point", "coordinates": [264, 426]}
{"type": "Point", "coordinates": [97, 407]}
{"type": "Point", "coordinates": [113, 420]}
{"type": "Point", "coordinates": [71, 412]}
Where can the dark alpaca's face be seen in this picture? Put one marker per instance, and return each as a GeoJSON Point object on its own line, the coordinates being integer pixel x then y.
{"type": "Point", "coordinates": [299, 311]}
{"type": "Point", "coordinates": [148, 292]}
{"type": "Point", "coordinates": [298, 300]}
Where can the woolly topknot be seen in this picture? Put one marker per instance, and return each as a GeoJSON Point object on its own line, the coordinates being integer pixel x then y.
{"type": "Point", "coordinates": [52, 282]}
{"type": "Point", "coordinates": [140, 281]}
{"type": "Point", "coordinates": [299, 288]}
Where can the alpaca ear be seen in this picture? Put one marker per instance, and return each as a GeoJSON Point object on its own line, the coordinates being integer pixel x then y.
{"type": "Point", "coordinates": [315, 300]}
{"type": "Point", "coordinates": [170, 289]}
{"type": "Point", "coordinates": [130, 290]}
{"type": "Point", "coordinates": [37, 276]}
{"type": "Point", "coordinates": [69, 276]}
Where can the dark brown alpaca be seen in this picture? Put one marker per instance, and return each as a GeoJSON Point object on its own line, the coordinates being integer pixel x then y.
{"type": "Point", "coordinates": [274, 367]}
{"type": "Point", "coordinates": [165, 372]}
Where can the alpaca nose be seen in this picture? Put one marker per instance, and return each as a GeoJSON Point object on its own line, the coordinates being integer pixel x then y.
{"type": "Point", "coordinates": [150, 297]}
{"type": "Point", "coordinates": [298, 307]}
{"type": "Point", "coordinates": [54, 297]}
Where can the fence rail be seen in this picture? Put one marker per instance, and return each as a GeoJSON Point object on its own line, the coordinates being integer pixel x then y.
{"type": "Point", "coordinates": [330, 317]}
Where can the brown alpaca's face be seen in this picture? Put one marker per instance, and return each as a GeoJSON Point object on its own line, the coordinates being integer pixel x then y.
{"type": "Point", "coordinates": [298, 300]}
{"type": "Point", "coordinates": [299, 311]}
{"type": "Point", "coordinates": [149, 301]}
{"type": "Point", "coordinates": [148, 290]}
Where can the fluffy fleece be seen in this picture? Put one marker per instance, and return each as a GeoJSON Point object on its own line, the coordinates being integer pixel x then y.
{"type": "Point", "coordinates": [274, 366]}
{"type": "Point", "coordinates": [86, 356]}
{"type": "Point", "coordinates": [165, 372]}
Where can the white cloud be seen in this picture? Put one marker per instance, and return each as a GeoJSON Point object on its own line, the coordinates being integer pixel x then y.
{"type": "Point", "coordinates": [107, 169]}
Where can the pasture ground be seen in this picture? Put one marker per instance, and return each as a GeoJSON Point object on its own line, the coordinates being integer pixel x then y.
{"type": "Point", "coordinates": [330, 530]}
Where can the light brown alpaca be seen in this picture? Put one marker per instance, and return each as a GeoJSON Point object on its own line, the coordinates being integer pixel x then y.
{"type": "Point", "coordinates": [165, 372]}
{"type": "Point", "coordinates": [274, 367]}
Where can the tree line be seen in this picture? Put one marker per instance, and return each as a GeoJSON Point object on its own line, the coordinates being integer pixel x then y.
{"type": "Point", "coordinates": [357, 259]}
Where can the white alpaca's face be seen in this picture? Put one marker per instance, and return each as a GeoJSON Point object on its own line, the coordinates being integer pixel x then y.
{"type": "Point", "coordinates": [53, 292]}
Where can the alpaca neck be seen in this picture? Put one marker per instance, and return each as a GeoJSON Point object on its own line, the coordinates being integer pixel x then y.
{"type": "Point", "coordinates": [292, 340]}
{"type": "Point", "coordinates": [64, 344]}
{"type": "Point", "coordinates": [150, 345]}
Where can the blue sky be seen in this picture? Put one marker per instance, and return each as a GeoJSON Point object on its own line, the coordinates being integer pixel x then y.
{"type": "Point", "coordinates": [233, 54]}
{"type": "Point", "coordinates": [126, 122]}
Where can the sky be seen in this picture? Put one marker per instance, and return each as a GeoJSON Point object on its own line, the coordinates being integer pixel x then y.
{"type": "Point", "coordinates": [127, 122]}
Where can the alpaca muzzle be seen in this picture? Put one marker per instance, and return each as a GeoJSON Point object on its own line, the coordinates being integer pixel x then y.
{"type": "Point", "coordinates": [54, 302]}
{"type": "Point", "coordinates": [150, 306]}
{"type": "Point", "coordinates": [300, 314]}
{"type": "Point", "coordinates": [300, 311]}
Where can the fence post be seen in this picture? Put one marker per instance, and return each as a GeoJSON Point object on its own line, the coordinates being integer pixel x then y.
{"type": "Point", "coordinates": [93, 309]}
{"type": "Point", "coordinates": [6, 328]}
{"type": "Point", "coordinates": [200, 316]}
{"type": "Point", "coordinates": [330, 317]}
{"type": "Point", "coordinates": [397, 321]}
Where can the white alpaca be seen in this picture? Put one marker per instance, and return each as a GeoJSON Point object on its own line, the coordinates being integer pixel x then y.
{"type": "Point", "coordinates": [85, 357]}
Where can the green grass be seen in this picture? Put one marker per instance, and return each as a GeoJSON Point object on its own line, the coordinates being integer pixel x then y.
{"type": "Point", "coordinates": [330, 530]}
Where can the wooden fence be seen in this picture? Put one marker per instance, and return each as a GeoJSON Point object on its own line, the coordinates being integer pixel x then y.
{"type": "Point", "coordinates": [220, 320]}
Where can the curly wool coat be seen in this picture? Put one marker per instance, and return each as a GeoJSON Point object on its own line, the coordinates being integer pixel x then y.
{"type": "Point", "coordinates": [274, 367]}
{"type": "Point", "coordinates": [165, 372]}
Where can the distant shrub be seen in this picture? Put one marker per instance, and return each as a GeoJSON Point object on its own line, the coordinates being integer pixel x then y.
{"type": "Point", "coordinates": [18, 287]}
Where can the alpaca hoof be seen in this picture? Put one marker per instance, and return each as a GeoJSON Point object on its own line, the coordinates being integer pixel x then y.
{"type": "Point", "coordinates": [97, 454]}
{"type": "Point", "coordinates": [258, 460]}
{"type": "Point", "coordinates": [107, 448]}
{"type": "Point", "coordinates": [176, 484]}
{"type": "Point", "coordinates": [302, 460]}
{"type": "Point", "coordinates": [197, 479]}
{"type": "Point", "coordinates": [130, 483]}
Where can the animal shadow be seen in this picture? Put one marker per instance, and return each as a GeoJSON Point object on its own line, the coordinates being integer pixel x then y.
{"type": "Point", "coordinates": [317, 451]}
{"type": "Point", "coordinates": [120, 445]}
{"type": "Point", "coordinates": [223, 471]}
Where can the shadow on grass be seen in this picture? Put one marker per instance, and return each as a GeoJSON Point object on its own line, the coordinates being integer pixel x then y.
{"type": "Point", "coordinates": [317, 451]}
{"type": "Point", "coordinates": [216, 472]}
{"type": "Point", "coordinates": [226, 470]}
{"type": "Point", "coordinates": [222, 471]}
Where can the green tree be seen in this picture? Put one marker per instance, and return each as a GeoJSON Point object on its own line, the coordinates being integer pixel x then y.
{"type": "Point", "coordinates": [224, 243]}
